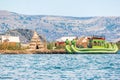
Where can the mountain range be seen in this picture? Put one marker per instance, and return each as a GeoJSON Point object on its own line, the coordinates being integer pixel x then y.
{"type": "Point", "coordinates": [53, 27]}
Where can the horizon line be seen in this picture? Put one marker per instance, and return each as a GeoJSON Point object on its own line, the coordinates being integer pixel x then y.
{"type": "Point", "coordinates": [54, 15]}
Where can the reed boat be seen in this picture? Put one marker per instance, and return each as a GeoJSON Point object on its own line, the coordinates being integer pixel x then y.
{"type": "Point", "coordinates": [94, 45]}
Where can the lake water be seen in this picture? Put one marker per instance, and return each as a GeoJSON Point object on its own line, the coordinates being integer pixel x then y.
{"type": "Point", "coordinates": [60, 67]}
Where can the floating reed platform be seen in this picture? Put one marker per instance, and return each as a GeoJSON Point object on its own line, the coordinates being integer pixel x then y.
{"type": "Point", "coordinates": [41, 52]}
{"type": "Point", "coordinates": [33, 52]}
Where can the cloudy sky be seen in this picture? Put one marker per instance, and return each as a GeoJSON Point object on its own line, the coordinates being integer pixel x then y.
{"type": "Point", "coordinates": [77, 8]}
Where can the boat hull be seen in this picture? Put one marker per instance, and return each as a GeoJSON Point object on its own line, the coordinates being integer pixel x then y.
{"type": "Point", "coordinates": [73, 49]}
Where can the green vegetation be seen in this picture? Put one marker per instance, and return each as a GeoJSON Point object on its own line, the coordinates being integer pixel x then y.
{"type": "Point", "coordinates": [50, 45]}
{"type": "Point", "coordinates": [60, 47]}
{"type": "Point", "coordinates": [8, 46]}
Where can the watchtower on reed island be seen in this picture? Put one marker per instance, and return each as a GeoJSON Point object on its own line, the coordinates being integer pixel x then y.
{"type": "Point", "coordinates": [37, 42]}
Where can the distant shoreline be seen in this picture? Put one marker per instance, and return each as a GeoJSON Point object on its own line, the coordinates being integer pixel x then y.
{"type": "Point", "coordinates": [42, 52]}
{"type": "Point", "coordinates": [62, 51]}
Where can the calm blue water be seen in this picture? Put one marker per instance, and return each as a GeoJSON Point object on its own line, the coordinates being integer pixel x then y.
{"type": "Point", "coordinates": [60, 67]}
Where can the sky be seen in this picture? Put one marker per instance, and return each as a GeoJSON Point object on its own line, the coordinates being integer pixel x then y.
{"type": "Point", "coordinates": [76, 8]}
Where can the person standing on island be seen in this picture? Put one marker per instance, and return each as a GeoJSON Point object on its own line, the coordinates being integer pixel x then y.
{"type": "Point", "coordinates": [73, 42]}
{"type": "Point", "coordinates": [67, 42]}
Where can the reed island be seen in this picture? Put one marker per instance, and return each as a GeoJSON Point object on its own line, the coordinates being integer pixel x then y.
{"type": "Point", "coordinates": [38, 44]}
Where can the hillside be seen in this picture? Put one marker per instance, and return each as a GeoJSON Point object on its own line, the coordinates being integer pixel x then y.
{"type": "Point", "coordinates": [53, 27]}
{"type": "Point", "coordinates": [24, 34]}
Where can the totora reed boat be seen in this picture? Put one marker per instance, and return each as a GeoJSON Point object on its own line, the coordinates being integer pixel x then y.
{"type": "Point", "coordinates": [95, 44]}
